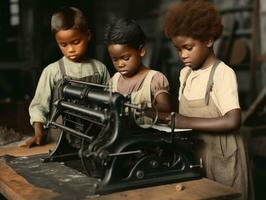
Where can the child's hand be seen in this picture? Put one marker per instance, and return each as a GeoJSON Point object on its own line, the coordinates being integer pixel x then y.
{"type": "Point", "coordinates": [29, 143]}
{"type": "Point", "coordinates": [180, 121]}
{"type": "Point", "coordinates": [163, 118]}
{"type": "Point", "coordinates": [35, 140]}
{"type": "Point", "coordinates": [38, 138]}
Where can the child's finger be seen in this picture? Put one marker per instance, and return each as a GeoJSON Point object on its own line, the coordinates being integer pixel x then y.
{"type": "Point", "coordinates": [28, 143]}
{"type": "Point", "coordinates": [23, 145]}
{"type": "Point", "coordinates": [38, 140]}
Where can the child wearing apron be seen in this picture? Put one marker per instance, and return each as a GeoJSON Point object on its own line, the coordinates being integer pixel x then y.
{"type": "Point", "coordinates": [208, 94]}
{"type": "Point", "coordinates": [70, 29]}
{"type": "Point", "coordinates": [125, 42]}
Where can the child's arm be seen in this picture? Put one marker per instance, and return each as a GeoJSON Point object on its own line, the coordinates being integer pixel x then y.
{"type": "Point", "coordinates": [40, 104]}
{"type": "Point", "coordinates": [163, 103]}
{"type": "Point", "coordinates": [229, 122]}
{"type": "Point", "coordinates": [225, 93]}
{"type": "Point", "coordinates": [160, 92]}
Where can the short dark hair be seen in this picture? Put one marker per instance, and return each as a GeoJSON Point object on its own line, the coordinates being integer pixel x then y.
{"type": "Point", "coordinates": [68, 18]}
{"type": "Point", "coordinates": [198, 19]}
{"type": "Point", "coordinates": [126, 32]}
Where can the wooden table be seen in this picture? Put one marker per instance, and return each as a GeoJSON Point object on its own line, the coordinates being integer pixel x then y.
{"type": "Point", "coordinates": [16, 187]}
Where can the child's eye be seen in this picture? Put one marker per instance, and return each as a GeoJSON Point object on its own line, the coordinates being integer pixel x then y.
{"type": "Point", "coordinates": [76, 42]}
{"type": "Point", "coordinates": [62, 44]}
{"type": "Point", "coordinates": [126, 58]}
{"type": "Point", "coordinates": [189, 48]}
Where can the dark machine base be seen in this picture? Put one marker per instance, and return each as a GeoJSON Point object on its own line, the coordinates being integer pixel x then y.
{"type": "Point", "coordinates": [58, 176]}
{"type": "Point", "coordinates": [148, 182]}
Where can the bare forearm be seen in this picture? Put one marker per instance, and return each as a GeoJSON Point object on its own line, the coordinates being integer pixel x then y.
{"type": "Point", "coordinates": [229, 122]}
{"type": "Point", "coordinates": [38, 127]}
{"type": "Point", "coordinates": [163, 103]}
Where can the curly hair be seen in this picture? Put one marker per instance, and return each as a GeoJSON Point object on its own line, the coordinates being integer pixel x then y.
{"type": "Point", "coordinates": [126, 32]}
{"type": "Point", "coordinates": [68, 18]}
{"type": "Point", "coordinates": [197, 19]}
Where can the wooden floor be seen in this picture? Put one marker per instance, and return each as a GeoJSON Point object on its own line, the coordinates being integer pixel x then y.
{"type": "Point", "coordinates": [15, 187]}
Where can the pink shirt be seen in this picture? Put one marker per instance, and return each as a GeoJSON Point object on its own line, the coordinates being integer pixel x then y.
{"type": "Point", "coordinates": [159, 84]}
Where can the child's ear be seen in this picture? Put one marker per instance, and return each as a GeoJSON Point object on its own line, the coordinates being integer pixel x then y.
{"type": "Point", "coordinates": [209, 43]}
{"type": "Point", "coordinates": [142, 50]}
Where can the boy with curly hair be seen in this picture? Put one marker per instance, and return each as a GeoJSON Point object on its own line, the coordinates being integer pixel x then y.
{"type": "Point", "coordinates": [208, 93]}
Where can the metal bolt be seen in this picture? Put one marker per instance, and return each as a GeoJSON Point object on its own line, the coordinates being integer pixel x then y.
{"type": "Point", "coordinates": [154, 163]}
{"type": "Point", "coordinates": [140, 174]}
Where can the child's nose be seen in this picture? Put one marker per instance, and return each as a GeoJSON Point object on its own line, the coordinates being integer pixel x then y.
{"type": "Point", "coordinates": [70, 48]}
{"type": "Point", "coordinates": [120, 63]}
{"type": "Point", "coordinates": [183, 54]}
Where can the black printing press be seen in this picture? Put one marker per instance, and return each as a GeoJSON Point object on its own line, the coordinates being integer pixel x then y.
{"type": "Point", "coordinates": [100, 129]}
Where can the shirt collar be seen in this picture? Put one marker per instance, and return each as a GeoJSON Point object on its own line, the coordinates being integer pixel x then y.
{"type": "Point", "coordinates": [69, 62]}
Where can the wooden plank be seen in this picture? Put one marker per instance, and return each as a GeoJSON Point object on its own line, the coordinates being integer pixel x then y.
{"type": "Point", "coordinates": [16, 187]}
{"type": "Point", "coordinates": [24, 151]}
{"type": "Point", "coordinates": [202, 189]}
{"type": "Point", "coordinates": [255, 21]}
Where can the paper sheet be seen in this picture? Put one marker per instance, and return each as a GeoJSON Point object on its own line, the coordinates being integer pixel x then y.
{"type": "Point", "coordinates": [167, 129]}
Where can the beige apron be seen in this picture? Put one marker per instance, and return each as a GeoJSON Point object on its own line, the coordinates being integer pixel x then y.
{"type": "Point", "coordinates": [223, 154]}
{"type": "Point", "coordinates": [143, 95]}
{"type": "Point", "coordinates": [94, 78]}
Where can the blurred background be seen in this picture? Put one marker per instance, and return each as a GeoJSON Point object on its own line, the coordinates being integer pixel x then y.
{"type": "Point", "coordinates": [27, 46]}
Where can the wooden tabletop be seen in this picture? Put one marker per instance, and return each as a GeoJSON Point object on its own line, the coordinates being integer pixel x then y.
{"type": "Point", "coordinates": [16, 187]}
{"type": "Point", "coordinates": [201, 189]}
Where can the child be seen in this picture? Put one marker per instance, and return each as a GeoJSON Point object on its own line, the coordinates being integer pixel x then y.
{"type": "Point", "coordinates": [72, 35]}
{"type": "Point", "coordinates": [208, 94]}
{"type": "Point", "coordinates": [125, 42]}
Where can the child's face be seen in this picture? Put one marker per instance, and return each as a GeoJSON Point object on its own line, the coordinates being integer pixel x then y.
{"type": "Point", "coordinates": [73, 43]}
{"type": "Point", "coordinates": [193, 53]}
{"type": "Point", "coordinates": [126, 60]}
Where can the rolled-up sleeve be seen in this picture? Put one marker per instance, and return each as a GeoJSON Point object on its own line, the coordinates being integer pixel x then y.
{"type": "Point", "coordinates": [159, 84]}
{"type": "Point", "coordinates": [226, 90]}
{"type": "Point", "coordinates": [40, 104]}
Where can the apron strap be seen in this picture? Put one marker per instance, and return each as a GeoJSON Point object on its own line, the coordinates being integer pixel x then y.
{"type": "Point", "coordinates": [210, 82]}
{"type": "Point", "coordinates": [185, 80]}
{"type": "Point", "coordinates": [62, 67]}
{"type": "Point", "coordinates": [95, 77]}
{"type": "Point", "coordinates": [94, 69]}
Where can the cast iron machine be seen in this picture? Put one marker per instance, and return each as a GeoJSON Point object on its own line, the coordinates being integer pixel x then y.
{"type": "Point", "coordinates": [99, 128]}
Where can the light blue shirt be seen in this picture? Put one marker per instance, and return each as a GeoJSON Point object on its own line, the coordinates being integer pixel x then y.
{"type": "Point", "coordinates": [40, 105]}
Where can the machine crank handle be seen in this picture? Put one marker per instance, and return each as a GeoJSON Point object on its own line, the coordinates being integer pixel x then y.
{"type": "Point", "coordinates": [200, 165]}
{"type": "Point", "coordinates": [125, 153]}
{"type": "Point", "coordinates": [104, 154]}
{"type": "Point", "coordinates": [139, 107]}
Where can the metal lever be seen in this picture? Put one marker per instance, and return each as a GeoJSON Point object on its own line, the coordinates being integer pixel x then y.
{"type": "Point", "coordinates": [125, 153]}
{"type": "Point", "coordinates": [173, 122]}
{"type": "Point", "coordinates": [173, 114]}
